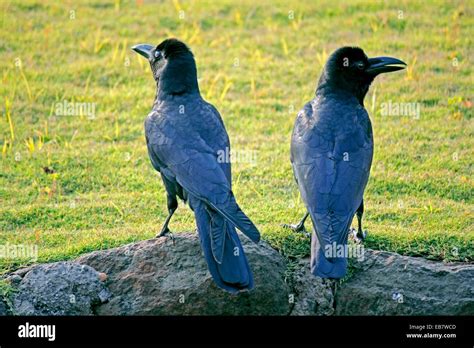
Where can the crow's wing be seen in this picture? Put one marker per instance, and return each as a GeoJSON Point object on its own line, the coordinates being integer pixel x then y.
{"type": "Point", "coordinates": [185, 153]}
{"type": "Point", "coordinates": [332, 167]}
{"type": "Point", "coordinates": [211, 129]}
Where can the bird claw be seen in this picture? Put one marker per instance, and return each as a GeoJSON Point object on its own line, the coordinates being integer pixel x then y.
{"type": "Point", "coordinates": [358, 236]}
{"type": "Point", "coordinates": [166, 233]}
{"type": "Point", "coordinates": [297, 228]}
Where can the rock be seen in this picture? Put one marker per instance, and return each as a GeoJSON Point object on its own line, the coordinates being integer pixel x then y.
{"type": "Point", "coordinates": [104, 295]}
{"type": "Point", "coordinates": [61, 288]}
{"type": "Point", "coordinates": [161, 277]}
{"type": "Point", "coordinates": [385, 283]}
{"type": "Point", "coordinates": [4, 309]}
{"type": "Point", "coordinates": [22, 271]}
{"type": "Point", "coordinates": [14, 279]}
{"type": "Point", "coordinates": [313, 295]}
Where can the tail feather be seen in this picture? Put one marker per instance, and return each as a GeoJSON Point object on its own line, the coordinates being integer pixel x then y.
{"type": "Point", "coordinates": [217, 231]}
{"type": "Point", "coordinates": [232, 212]}
{"type": "Point", "coordinates": [325, 262]}
{"type": "Point", "coordinates": [323, 266]}
{"type": "Point", "coordinates": [222, 249]}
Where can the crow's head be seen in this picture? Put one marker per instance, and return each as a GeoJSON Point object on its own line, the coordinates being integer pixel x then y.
{"type": "Point", "coordinates": [348, 68]}
{"type": "Point", "coordinates": [173, 66]}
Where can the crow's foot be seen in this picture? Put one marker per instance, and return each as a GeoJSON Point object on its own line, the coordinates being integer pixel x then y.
{"type": "Point", "coordinates": [298, 228]}
{"type": "Point", "coordinates": [358, 235]}
{"type": "Point", "coordinates": [166, 233]}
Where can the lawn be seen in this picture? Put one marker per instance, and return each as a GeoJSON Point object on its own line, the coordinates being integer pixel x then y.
{"type": "Point", "coordinates": [73, 184]}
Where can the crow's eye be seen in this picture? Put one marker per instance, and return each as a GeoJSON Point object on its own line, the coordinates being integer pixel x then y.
{"type": "Point", "coordinates": [157, 54]}
{"type": "Point", "coordinates": [360, 65]}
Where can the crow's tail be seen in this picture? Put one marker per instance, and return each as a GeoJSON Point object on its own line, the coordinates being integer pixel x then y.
{"type": "Point", "coordinates": [329, 249]}
{"type": "Point", "coordinates": [222, 249]}
{"type": "Point", "coordinates": [324, 266]}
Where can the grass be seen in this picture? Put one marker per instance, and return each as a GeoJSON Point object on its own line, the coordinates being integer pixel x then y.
{"type": "Point", "coordinates": [73, 184]}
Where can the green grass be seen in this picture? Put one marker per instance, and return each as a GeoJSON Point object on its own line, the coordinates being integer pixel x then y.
{"type": "Point", "coordinates": [259, 67]}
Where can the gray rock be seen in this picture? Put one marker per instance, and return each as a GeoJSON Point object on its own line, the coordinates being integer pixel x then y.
{"type": "Point", "coordinates": [4, 309]}
{"type": "Point", "coordinates": [22, 271]}
{"type": "Point", "coordinates": [61, 288]}
{"type": "Point", "coordinates": [14, 279]}
{"type": "Point", "coordinates": [386, 283]}
{"type": "Point", "coordinates": [313, 295]}
{"type": "Point", "coordinates": [159, 277]}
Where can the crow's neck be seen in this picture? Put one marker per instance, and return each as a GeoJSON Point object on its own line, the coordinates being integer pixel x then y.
{"type": "Point", "coordinates": [340, 86]}
{"type": "Point", "coordinates": [165, 95]}
{"type": "Point", "coordinates": [177, 79]}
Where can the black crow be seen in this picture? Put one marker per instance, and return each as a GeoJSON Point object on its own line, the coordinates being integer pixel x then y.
{"type": "Point", "coordinates": [184, 136]}
{"type": "Point", "coordinates": [331, 154]}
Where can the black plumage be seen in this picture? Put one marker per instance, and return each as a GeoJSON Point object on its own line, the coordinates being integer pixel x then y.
{"type": "Point", "coordinates": [184, 136]}
{"type": "Point", "coordinates": [331, 153]}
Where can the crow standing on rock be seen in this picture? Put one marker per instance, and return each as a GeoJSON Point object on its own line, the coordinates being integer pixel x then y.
{"type": "Point", "coordinates": [184, 136]}
{"type": "Point", "coordinates": [331, 154]}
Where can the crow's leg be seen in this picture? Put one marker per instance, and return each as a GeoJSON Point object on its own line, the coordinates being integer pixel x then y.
{"type": "Point", "coordinates": [359, 213]}
{"type": "Point", "coordinates": [360, 235]}
{"type": "Point", "coordinates": [172, 203]}
{"type": "Point", "coordinates": [298, 227]}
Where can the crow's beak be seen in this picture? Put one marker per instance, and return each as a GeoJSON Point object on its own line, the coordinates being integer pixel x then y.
{"type": "Point", "coordinates": [379, 65]}
{"type": "Point", "coordinates": [143, 49]}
